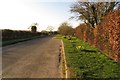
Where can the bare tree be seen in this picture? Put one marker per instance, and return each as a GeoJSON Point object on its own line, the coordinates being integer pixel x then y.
{"type": "Point", "coordinates": [50, 28]}
{"type": "Point", "coordinates": [92, 12]}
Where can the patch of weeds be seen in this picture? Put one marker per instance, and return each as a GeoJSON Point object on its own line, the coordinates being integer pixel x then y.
{"type": "Point", "coordinates": [87, 62]}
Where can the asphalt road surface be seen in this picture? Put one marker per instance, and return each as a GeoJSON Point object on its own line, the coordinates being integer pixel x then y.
{"type": "Point", "coordinates": [37, 58]}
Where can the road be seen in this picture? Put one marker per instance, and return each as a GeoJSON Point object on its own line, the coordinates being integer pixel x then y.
{"type": "Point", "coordinates": [37, 58]}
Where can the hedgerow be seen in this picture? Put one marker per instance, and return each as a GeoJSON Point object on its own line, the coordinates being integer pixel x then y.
{"type": "Point", "coordinates": [105, 36]}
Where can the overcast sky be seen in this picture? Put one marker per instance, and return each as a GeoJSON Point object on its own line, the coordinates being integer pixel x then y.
{"type": "Point", "coordinates": [20, 14]}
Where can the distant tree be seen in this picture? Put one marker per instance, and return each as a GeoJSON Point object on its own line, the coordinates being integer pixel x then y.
{"type": "Point", "coordinates": [50, 28]}
{"type": "Point", "coordinates": [44, 32]}
{"type": "Point", "coordinates": [34, 27]}
{"type": "Point", "coordinates": [65, 29]}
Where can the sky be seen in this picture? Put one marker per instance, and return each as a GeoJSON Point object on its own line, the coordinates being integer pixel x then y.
{"type": "Point", "coordinates": [20, 14]}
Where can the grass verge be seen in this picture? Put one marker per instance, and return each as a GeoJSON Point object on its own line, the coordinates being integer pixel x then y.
{"type": "Point", "coordinates": [85, 61]}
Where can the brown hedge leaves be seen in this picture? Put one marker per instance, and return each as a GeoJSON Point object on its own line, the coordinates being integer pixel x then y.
{"type": "Point", "coordinates": [106, 36]}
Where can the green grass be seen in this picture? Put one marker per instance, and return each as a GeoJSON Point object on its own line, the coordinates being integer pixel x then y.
{"type": "Point", "coordinates": [89, 62]}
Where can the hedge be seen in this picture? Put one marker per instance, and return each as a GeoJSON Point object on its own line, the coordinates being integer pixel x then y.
{"type": "Point", "coordinates": [106, 36]}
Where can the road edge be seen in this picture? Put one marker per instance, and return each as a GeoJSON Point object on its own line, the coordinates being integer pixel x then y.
{"type": "Point", "coordinates": [64, 59]}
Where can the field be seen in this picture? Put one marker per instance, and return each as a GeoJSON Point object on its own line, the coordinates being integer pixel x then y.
{"type": "Point", "coordinates": [85, 61]}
